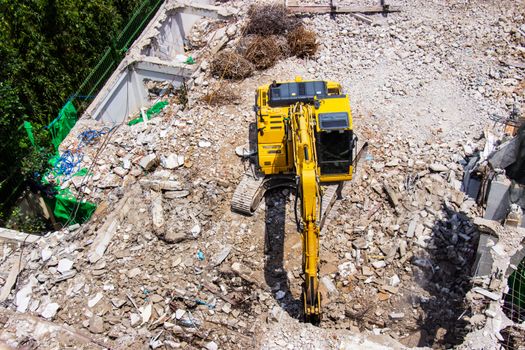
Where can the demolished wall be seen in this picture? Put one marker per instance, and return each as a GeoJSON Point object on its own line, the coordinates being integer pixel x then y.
{"type": "Point", "coordinates": [152, 57]}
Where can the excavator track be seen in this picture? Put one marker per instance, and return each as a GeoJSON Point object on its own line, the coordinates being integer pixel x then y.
{"type": "Point", "coordinates": [252, 187]}
{"type": "Point", "coordinates": [251, 190]}
{"type": "Point", "coordinates": [248, 193]}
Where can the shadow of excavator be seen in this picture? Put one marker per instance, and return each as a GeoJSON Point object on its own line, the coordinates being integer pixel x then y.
{"type": "Point", "coordinates": [275, 274]}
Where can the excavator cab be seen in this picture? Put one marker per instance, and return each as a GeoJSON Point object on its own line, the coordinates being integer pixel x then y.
{"type": "Point", "coordinates": [334, 138]}
{"type": "Point", "coordinates": [334, 147]}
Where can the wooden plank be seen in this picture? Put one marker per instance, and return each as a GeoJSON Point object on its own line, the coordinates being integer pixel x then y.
{"type": "Point", "coordinates": [363, 18]}
{"type": "Point", "coordinates": [342, 9]}
{"type": "Point", "coordinates": [12, 235]}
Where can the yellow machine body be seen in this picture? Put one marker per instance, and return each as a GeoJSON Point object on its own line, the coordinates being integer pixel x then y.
{"type": "Point", "coordinates": [304, 129]}
{"type": "Point", "coordinates": [332, 141]}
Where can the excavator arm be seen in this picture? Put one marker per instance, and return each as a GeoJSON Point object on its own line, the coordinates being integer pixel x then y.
{"type": "Point", "coordinates": [306, 167]}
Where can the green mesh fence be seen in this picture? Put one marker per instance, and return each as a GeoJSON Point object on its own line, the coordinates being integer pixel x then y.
{"type": "Point", "coordinates": [513, 336]}
{"type": "Point", "coordinates": [515, 298]}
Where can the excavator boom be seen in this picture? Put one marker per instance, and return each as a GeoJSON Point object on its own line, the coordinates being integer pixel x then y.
{"type": "Point", "coordinates": [301, 123]}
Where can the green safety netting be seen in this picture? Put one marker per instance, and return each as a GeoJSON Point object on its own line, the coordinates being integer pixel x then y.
{"type": "Point", "coordinates": [152, 111]}
{"type": "Point", "coordinates": [29, 130]}
{"type": "Point", "coordinates": [60, 127]}
{"type": "Point", "coordinates": [81, 172]}
{"type": "Point", "coordinates": [65, 203]}
{"type": "Point", "coordinates": [69, 209]}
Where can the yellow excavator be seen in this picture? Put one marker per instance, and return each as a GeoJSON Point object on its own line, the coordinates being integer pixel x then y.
{"type": "Point", "coordinates": [303, 138]}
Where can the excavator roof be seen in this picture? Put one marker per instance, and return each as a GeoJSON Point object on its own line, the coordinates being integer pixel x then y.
{"type": "Point", "coordinates": [334, 112]}
{"type": "Point", "coordinates": [334, 103]}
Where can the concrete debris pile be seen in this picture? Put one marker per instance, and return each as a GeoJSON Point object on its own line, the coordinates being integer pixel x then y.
{"type": "Point", "coordinates": [418, 55]}
{"type": "Point", "coordinates": [158, 89]}
{"type": "Point", "coordinates": [165, 264]}
{"type": "Point", "coordinates": [495, 176]}
{"type": "Point", "coordinates": [499, 253]}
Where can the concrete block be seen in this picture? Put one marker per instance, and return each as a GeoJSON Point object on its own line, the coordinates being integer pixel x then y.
{"type": "Point", "coordinates": [483, 264]}
{"type": "Point", "coordinates": [498, 200]}
{"type": "Point", "coordinates": [505, 155]}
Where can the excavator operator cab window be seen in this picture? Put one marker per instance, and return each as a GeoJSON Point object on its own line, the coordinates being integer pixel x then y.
{"type": "Point", "coordinates": [334, 143]}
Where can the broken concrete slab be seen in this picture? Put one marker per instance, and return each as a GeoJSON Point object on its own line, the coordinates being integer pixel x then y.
{"type": "Point", "coordinates": [438, 168]}
{"type": "Point", "coordinates": [23, 296]}
{"type": "Point", "coordinates": [161, 185]}
{"type": "Point", "coordinates": [106, 232]}
{"type": "Point", "coordinates": [505, 155]}
{"type": "Point", "coordinates": [94, 301]}
{"type": "Point", "coordinates": [486, 293]}
{"type": "Point", "coordinates": [175, 236]}
{"type": "Point", "coordinates": [176, 194]}
{"type": "Point", "coordinates": [50, 310]}
{"type": "Point", "coordinates": [497, 200]}
{"type": "Point", "coordinates": [157, 212]}
{"type": "Point", "coordinates": [64, 265]}
{"type": "Point", "coordinates": [221, 256]}
{"type": "Point", "coordinates": [102, 240]}
{"type": "Point", "coordinates": [110, 181]}
{"type": "Point", "coordinates": [96, 324]}
{"type": "Point", "coordinates": [149, 162]}
{"type": "Point", "coordinates": [172, 161]}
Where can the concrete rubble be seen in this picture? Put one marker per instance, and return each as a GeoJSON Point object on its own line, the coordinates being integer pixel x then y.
{"type": "Point", "coordinates": [163, 263]}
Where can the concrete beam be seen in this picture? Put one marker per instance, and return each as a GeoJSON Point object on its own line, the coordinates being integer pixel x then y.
{"type": "Point", "coordinates": [210, 11]}
{"type": "Point", "coordinates": [483, 265]}
{"type": "Point", "coordinates": [153, 65]}
{"type": "Point", "coordinates": [12, 235]}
